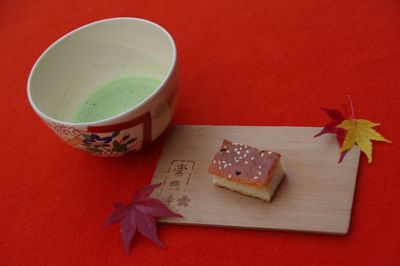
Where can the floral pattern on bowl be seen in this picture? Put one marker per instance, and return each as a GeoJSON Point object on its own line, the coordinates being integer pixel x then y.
{"type": "Point", "coordinates": [109, 144]}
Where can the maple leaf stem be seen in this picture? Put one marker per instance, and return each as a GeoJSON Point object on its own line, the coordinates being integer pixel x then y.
{"type": "Point", "coordinates": [351, 106]}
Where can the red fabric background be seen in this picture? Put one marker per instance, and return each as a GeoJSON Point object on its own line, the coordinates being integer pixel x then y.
{"type": "Point", "coordinates": [242, 63]}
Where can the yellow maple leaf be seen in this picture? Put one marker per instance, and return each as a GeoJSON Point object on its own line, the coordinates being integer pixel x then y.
{"type": "Point", "coordinates": [360, 132]}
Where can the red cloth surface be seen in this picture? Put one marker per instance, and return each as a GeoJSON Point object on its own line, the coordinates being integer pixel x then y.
{"type": "Point", "coordinates": [241, 63]}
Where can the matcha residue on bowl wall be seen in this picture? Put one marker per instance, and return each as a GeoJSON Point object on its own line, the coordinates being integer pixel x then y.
{"type": "Point", "coordinates": [115, 98]}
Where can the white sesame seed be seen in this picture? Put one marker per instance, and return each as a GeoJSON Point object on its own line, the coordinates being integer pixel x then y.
{"type": "Point", "coordinates": [230, 176]}
{"type": "Point", "coordinates": [247, 151]}
{"type": "Point", "coordinates": [240, 157]}
{"type": "Point", "coordinates": [228, 151]}
{"type": "Point", "coordinates": [214, 162]}
{"type": "Point", "coordinates": [244, 156]}
{"type": "Point", "coordinates": [219, 167]}
{"type": "Point", "coordinates": [252, 158]}
{"type": "Point", "coordinates": [245, 146]}
{"type": "Point", "coordinates": [259, 167]}
{"type": "Point", "coordinates": [236, 161]}
{"type": "Point", "coordinates": [246, 162]}
{"type": "Point", "coordinates": [225, 165]}
{"type": "Point", "coordinates": [262, 154]}
{"type": "Point", "coordinates": [229, 164]}
{"type": "Point", "coordinates": [269, 152]}
{"type": "Point", "coordinates": [259, 173]}
{"type": "Point", "coordinates": [219, 162]}
{"type": "Point", "coordinates": [256, 177]}
{"type": "Point", "coordinates": [223, 161]}
{"type": "Point", "coordinates": [235, 149]}
{"type": "Point", "coordinates": [238, 152]}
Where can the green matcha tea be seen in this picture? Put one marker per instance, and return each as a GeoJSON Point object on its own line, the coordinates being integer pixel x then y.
{"type": "Point", "coordinates": [116, 97]}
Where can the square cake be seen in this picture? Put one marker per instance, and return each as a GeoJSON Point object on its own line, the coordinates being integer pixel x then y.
{"type": "Point", "coordinates": [247, 170]}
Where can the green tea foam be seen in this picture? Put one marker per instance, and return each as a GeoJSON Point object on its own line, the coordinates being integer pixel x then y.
{"type": "Point", "coordinates": [116, 97]}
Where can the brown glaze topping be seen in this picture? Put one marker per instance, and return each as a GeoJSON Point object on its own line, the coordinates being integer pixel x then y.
{"type": "Point", "coordinates": [244, 164]}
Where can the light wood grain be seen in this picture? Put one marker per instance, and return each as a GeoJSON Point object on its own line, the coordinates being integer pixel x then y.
{"type": "Point", "coordinates": [317, 195]}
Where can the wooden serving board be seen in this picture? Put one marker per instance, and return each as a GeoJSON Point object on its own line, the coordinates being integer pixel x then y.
{"type": "Point", "coordinates": [317, 195]}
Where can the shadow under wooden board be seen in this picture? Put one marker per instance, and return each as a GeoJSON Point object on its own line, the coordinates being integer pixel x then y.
{"type": "Point", "coordinates": [317, 195]}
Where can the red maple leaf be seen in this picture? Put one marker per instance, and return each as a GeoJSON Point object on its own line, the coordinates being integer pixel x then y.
{"type": "Point", "coordinates": [140, 215]}
{"type": "Point", "coordinates": [337, 118]}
